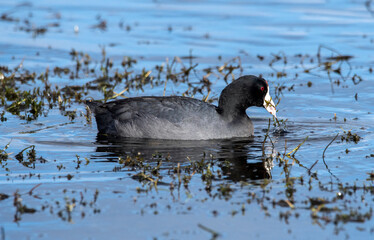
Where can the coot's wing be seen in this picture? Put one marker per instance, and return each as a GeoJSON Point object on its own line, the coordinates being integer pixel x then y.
{"type": "Point", "coordinates": [171, 109]}
{"type": "Point", "coordinates": [158, 117]}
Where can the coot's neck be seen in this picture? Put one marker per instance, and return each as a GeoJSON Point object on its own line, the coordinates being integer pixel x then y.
{"type": "Point", "coordinates": [231, 107]}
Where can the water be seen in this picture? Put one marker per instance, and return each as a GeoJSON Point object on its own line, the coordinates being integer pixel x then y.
{"type": "Point", "coordinates": [97, 187]}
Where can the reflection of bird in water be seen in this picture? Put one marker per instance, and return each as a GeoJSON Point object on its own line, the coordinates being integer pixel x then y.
{"type": "Point", "coordinates": [246, 161]}
{"type": "Point", "coordinates": [239, 159]}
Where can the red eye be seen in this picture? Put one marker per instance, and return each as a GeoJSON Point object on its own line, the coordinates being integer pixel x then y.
{"type": "Point", "coordinates": [262, 88]}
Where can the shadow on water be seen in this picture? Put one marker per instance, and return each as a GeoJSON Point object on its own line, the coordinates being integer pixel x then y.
{"type": "Point", "coordinates": [241, 158]}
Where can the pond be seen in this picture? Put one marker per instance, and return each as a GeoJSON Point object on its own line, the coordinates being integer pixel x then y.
{"type": "Point", "coordinates": [307, 175]}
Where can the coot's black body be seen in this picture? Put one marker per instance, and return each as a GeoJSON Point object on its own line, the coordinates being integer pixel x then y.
{"type": "Point", "coordinates": [185, 118]}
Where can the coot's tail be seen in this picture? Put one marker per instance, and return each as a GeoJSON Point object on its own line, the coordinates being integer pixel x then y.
{"type": "Point", "coordinates": [103, 116]}
{"type": "Point", "coordinates": [94, 106]}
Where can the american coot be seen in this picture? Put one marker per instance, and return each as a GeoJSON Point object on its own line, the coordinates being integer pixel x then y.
{"type": "Point", "coordinates": [185, 118]}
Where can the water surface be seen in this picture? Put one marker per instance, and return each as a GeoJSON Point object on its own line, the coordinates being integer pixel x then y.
{"type": "Point", "coordinates": [317, 57]}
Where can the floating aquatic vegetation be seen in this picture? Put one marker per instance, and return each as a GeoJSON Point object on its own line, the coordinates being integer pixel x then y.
{"type": "Point", "coordinates": [31, 157]}
{"type": "Point", "coordinates": [348, 136]}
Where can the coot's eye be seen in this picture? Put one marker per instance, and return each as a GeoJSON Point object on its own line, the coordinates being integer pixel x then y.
{"type": "Point", "coordinates": [262, 89]}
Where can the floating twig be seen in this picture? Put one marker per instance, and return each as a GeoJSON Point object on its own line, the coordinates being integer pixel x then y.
{"type": "Point", "coordinates": [215, 234]}
{"type": "Point", "coordinates": [32, 189]}
{"type": "Point", "coordinates": [323, 157]}
{"type": "Point", "coordinates": [368, 7]}
{"type": "Point", "coordinates": [323, 154]}
{"type": "Point", "coordinates": [119, 94]}
{"type": "Point", "coordinates": [293, 152]}
{"type": "Point", "coordinates": [266, 136]}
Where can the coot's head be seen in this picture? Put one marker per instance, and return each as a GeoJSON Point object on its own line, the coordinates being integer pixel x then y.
{"type": "Point", "coordinates": [245, 92]}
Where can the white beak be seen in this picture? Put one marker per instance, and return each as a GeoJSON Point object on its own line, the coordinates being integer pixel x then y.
{"type": "Point", "coordinates": [269, 104]}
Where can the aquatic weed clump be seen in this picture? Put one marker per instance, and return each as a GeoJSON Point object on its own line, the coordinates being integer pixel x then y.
{"type": "Point", "coordinates": [348, 136]}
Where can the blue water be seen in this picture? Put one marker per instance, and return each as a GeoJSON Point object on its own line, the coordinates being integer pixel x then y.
{"type": "Point", "coordinates": [214, 33]}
